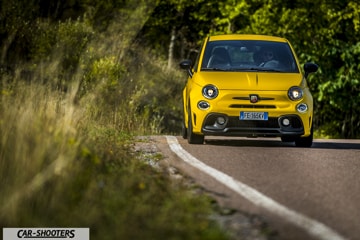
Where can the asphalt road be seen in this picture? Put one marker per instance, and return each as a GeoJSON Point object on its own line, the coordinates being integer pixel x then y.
{"type": "Point", "coordinates": [303, 193]}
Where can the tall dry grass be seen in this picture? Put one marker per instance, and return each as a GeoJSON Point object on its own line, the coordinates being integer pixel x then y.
{"type": "Point", "coordinates": [65, 155]}
{"type": "Point", "coordinates": [59, 167]}
{"type": "Point", "coordinates": [39, 139]}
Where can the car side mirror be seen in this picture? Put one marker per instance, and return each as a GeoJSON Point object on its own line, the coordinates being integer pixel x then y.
{"type": "Point", "coordinates": [187, 65]}
{"type": "Point", "coordinates": [310, 68]}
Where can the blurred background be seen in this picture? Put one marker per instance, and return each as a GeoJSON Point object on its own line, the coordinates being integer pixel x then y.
{"type": "Point", "coordinates": [80, 79]}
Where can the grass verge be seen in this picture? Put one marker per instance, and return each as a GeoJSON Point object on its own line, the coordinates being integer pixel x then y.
{"type": "Point", "coordinates": [59, 167]}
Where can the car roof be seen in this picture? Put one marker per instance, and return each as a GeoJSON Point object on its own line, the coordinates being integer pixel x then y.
{"type": "Point", "coordinates": [246, 37]}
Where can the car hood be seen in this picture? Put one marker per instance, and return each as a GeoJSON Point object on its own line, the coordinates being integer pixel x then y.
{"type": "Point", "coordinates": [272, 81]}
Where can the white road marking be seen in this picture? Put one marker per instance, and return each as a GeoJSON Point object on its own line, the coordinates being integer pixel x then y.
{"type": "Point", "coordinates": [311, 226]}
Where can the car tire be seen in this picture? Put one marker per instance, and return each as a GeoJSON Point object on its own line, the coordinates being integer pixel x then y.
{"type": "Point", "coordinates": [192, 137]}
{"type": "Point", "coordinates": [183, 130]}
{"type": "Point", "coordinates": [305, 141]}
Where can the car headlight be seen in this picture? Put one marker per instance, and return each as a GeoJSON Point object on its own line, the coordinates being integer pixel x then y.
{"type": "Point", "coordinates": [210, 91]}
{"type": "Point", "coordinates": [295, 93]}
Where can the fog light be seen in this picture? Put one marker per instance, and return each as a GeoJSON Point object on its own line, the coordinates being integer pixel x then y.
{"type": "Point", "coordinates": [302, 107]}
{"type": "Point", "coordinates": [221, 120]}
{"type": "Point", "coordinates": [203, 105]}
{"type": "Point", "coordinates": [285, 122]}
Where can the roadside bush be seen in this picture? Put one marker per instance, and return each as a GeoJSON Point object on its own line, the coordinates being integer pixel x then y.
{"type": "Point", "coordinates": [158, 93]}
{"type": "Point", "coordinates": [65, 147]}
{"type": "Point", "coordinates": [56, 50]}
{"type": "Point", "coordinates": [61, 167]}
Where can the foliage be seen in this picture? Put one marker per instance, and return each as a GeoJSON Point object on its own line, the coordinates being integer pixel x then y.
{"type": "Point", "coordinates": [73, 92]}
{"type": "Point", "coordinates": [61, 168]}
{"type": "Point", "coordinates": [325, 32]}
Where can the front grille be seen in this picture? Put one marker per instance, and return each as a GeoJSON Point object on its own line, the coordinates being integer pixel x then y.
{"type": "Point", "coordinates": [251, 106]}
{"type": "Point", "coordinates": [248, 98]}
{"type": "Point", "coordinates": [235, 122]}
{"type": "Point", "coordinates": [236, 127]}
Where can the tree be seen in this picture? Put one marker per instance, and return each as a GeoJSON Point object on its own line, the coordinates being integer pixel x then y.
{"type": "Point", "coordinates": [321, 31]}
{"type": "Point", "coordinates": [324, 32]}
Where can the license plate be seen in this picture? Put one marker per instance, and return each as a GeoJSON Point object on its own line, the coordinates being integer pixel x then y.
{"type": "Point", "coordinates": [262, 116]}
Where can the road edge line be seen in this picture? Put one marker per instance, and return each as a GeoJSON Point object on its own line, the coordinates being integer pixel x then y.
{"type": "Point", "coordinates": [311, 226]}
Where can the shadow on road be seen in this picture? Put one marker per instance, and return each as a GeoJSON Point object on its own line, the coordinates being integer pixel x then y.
{"type": "Point", "coordinates": [336, 145]}
{"type": "Point", "coordinates": [318, 143]}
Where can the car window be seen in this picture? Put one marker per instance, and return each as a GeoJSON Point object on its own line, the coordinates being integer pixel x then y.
{"type": "Point", "coordinates": [249, 55]}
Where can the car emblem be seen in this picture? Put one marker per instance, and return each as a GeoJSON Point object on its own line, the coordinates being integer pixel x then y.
{"type": "Point", "coordinates": [254, 98]}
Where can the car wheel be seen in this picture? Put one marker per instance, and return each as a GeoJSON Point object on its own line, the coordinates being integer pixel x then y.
{"type": "Point", "coordinates": [183, 130]}
{"type": "Point", "coordinates": [192, 137]}
{"type": "Point", "coordinates": [305, 141]}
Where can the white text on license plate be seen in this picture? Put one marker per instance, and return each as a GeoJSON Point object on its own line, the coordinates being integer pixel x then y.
{"type": "Point", "coordinates": [253, 116]}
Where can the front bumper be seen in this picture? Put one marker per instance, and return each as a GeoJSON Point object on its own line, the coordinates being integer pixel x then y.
{"type": "Point", "coordinates": [233, 126]}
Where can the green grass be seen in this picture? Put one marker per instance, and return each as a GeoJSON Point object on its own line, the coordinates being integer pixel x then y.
{"type": "Point", "coordinates": [61, 165]}
{"type": "Point", "coordinates": [68, 120]}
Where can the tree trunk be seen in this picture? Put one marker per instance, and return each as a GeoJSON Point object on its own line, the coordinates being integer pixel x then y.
{"type": "Point", "coordinates": [171, 48]}
{"type": "Point", "coordinates": [6, 46]}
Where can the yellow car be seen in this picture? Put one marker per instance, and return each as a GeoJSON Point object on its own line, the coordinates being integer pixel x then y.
{"type": "Point", "coordinates": [247, 85]}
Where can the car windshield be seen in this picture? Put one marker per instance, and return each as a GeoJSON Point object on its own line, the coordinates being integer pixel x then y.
{"type": "Point", "coordinates": [248, 55]}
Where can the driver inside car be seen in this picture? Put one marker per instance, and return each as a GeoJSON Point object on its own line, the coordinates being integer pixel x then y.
{"type": "Point", "coordinates": [268, 59]}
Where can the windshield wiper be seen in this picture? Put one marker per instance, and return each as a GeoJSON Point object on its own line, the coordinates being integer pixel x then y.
{"type": "Point", "coordinates": [246, 69]}
{"type": "Point", "coordinates": [214, 69]}
{"type": "Point", "coordinates": [260, 69]}
{"type": "Point", "coordinates": [270, 70]}
{"type": "Point", "coordinates": [253, 69]}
